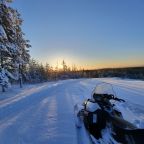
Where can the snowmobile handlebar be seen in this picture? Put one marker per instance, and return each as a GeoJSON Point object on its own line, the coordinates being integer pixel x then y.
{"type": "Point", "coordinates": [118, 99]}
{"type": "Point", "coordinates": [109, 97]}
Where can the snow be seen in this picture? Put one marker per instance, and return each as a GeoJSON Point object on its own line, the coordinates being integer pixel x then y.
{"type": "Point", "coordinates": [44, 113]}
{"type": "Point", "coordinates": [92, 107]}
{"type": "Point", "coordinates": [4, 81]}
{"type": "Point", "coordinates": [2, 32]}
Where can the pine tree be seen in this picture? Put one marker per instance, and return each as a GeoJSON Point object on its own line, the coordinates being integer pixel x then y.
{"type": "Point", "coordinates": [14, 54]}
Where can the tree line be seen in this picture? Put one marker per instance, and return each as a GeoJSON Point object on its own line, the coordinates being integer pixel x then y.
{"type": "Point", "coordinates": [37, 72]}
{"type": "Point", "coordinates": [127, 72]}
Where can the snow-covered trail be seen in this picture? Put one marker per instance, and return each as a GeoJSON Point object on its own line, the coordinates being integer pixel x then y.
{"type": "Point", "coordinates": [43, 114]}
{"type": "Point", "coordinates": [40, 115]}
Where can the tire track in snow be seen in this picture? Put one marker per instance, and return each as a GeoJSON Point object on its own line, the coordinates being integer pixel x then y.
{"type": "Point", "coordinates": [27, 93]}
{"type": "Point", "coordinates": [40, 117]}
{"type": "Point", "coordinates": [27, 119]}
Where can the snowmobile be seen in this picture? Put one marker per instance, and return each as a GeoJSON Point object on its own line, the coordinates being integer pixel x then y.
{"type": "Point", "coordinates": [99, 114]}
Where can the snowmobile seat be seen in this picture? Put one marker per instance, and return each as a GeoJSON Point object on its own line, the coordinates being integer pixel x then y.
{"type": "Point", "coordinates": [126, 132]}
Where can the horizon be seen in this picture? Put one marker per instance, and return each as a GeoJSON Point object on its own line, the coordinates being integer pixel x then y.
{"type": "Point", "coordinates": [88, 34]}
{"type": "Point", "coordinates": [59, 66]}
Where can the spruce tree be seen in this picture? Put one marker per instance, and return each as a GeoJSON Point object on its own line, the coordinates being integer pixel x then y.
{"type": "Point", "coordinates": [14, 53]}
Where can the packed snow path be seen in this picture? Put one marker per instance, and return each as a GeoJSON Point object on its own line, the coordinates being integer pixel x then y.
{"type": "Point", "coordinates": [43, 114]}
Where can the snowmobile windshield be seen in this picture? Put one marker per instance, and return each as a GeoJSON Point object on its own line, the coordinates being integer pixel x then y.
{"type": "Point", "coordinates": [102, 89]}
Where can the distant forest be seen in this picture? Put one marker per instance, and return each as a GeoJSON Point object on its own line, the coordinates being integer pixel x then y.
{"type": "Point", "coordinates": [129, 72]}
{"type": "Point", "coordinates": [40, 73]}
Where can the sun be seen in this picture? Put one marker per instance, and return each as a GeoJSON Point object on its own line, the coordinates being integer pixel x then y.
{"type": "Point", "coordinates": [57, 61]}
{"type": "Point", "coordinates": [60, 66]}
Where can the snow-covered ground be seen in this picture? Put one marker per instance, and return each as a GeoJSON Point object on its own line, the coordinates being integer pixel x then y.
{"type": "Point", "coordinates": [43, 113]}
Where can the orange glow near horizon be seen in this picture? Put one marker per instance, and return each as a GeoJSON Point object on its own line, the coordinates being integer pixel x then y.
{"type": "Point", "coordinates": [95, 64]}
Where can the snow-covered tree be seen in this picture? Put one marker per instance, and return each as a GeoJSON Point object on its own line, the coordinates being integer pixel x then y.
{"type": "Point", "coordinates": [14, 53]}
{"type": "Point", "coordinates": [4, 81]}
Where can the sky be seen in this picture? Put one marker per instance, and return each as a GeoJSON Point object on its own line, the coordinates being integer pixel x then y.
{"type": "Point", "coordinates": [88, 33]}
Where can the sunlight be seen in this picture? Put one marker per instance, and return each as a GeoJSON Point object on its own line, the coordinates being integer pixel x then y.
{"type": "Point", "coordinates": [60, 66]}
{"type": "Point", "coordinates": [57, 59]}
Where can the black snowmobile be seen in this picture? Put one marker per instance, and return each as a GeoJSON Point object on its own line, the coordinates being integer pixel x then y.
{"type": "Point", "coordinates": [99, 113]}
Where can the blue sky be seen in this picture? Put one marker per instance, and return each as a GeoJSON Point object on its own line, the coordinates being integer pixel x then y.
{"type": "Point", "coordinates": [88, 33]}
